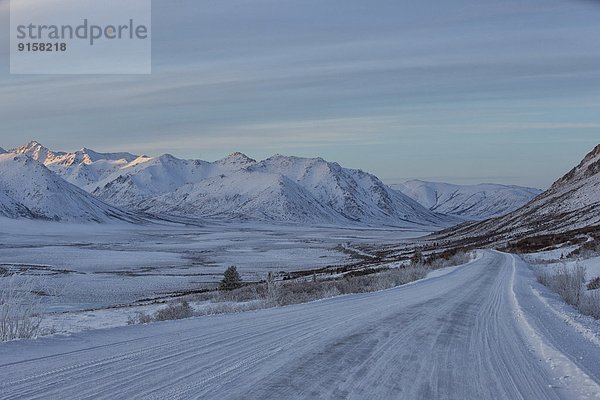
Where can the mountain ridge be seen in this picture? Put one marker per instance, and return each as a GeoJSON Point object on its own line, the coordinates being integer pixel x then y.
{"type": "Point", "coordinates": [305, 190]}
{"type": "Point", "coordinates": [471, 202]}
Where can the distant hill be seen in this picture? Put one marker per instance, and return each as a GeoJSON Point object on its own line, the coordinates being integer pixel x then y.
{"type": "Point", "coordinates": [471, 202]}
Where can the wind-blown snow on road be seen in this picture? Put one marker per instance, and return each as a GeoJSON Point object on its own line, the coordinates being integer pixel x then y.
{"type": "Point", "coordinates": [478, 332]}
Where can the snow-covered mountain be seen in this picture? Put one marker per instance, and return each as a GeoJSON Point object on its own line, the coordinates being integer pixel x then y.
{"type": "Point", "coordinates": [28, 189]}
{"type": "Point", "coordinates": [81, 168]}
{"type": "Point", "coordinates": [292, 189]}
{"type": "Point", "coordinates": [2, 151]}
{"type": "Point", "coordinates": [573, 202]}
{"type": "Point", "coordinates": [84, 156]}
{"type": "Point", "coordinates": [243, 195]}
{"type": "Point", "coordinates": [147, 178]}
{"type": "Point", "coordinates": [471, 202]}
{"type": "Point", "coordinates": [278, 189]}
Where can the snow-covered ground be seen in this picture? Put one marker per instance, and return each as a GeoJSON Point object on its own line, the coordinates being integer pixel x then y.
{"type": "Point", "coordinates": [69, 322]}
{"type": "Point", "coordinates": [550, 260]}
{"type": "Point", "coordinates": [85, 267]}
{"type": "Point", "coordinates": [479, 332]}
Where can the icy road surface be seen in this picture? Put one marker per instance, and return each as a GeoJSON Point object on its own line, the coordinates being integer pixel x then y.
{"type": "Point", "coordinates": [477, 333]}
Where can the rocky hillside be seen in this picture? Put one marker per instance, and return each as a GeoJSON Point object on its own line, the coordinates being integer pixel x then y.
{"type": "Point", "coordinates": [572, 203]}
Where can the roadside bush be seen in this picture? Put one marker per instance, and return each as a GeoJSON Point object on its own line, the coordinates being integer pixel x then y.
{"type": "Point", "coordinates": [273, 289]}
{"type": "Point", "coordinates": [176, 310]}
{"type": "Point", "coordinates": [229, 308]}
{"type": "Point", "coordinates": [303, 291]}
{"type": "Point", "coordinates": [245, 293]}
{"type": "Point", "coordinates": [590, 304]}
{"type": "Point", "coordinates": [20, 309]}
{"type": "Point", "coordinates": [449, 259]}
{"type": "Point", "coordinates": [569, 285]}
{"type": "Point", "coordinates": [139, 318]}
{"type": "Point", "coordinates": [384, 280]}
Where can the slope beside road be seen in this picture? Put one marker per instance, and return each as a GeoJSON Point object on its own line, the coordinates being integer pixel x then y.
{"type": "Point", "coordinates": [479, 332]}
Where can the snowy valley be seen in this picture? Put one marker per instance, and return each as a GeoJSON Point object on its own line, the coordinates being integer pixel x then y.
{"type": "Point", "coordinates": [300, 200]}
{"type": "Point", "coordinates": [107, 240]}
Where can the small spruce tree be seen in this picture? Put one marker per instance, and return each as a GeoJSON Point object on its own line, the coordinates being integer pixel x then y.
{"type": "Point", "coordinates": [231, 279]}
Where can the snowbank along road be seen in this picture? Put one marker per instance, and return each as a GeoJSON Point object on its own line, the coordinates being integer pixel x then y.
{"type": "Point", "coordinates": [479, 332]}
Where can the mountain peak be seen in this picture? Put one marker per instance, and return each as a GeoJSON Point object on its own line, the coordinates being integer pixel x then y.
{"type": "Point", "coordinates": [167, 157]}
{"type": "Point", "coordinates": [589, 166]}
{"type": "Point", "coordinates": [37, 151]}
{"type": "Point", "coordinates": [32, 145]}
{"type": "Point", "coordinates": [2, 151]}
{"type": "Point", "coordinates": [237, 158]}
{"type": "Point", "coordinates": [592, 155]}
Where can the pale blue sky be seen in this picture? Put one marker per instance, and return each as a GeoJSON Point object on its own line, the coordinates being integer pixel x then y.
{"type": "Point", "coordinates": [463, 91]}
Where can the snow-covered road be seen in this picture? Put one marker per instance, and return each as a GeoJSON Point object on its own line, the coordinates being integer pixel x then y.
{"type": "Point", "coordinates": [479, 332]}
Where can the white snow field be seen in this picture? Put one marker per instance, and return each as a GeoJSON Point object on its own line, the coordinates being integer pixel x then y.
{"type": "Point", "coordinates": [85, 267]}
{"type": "Point", "coordinates": [479, 332]}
